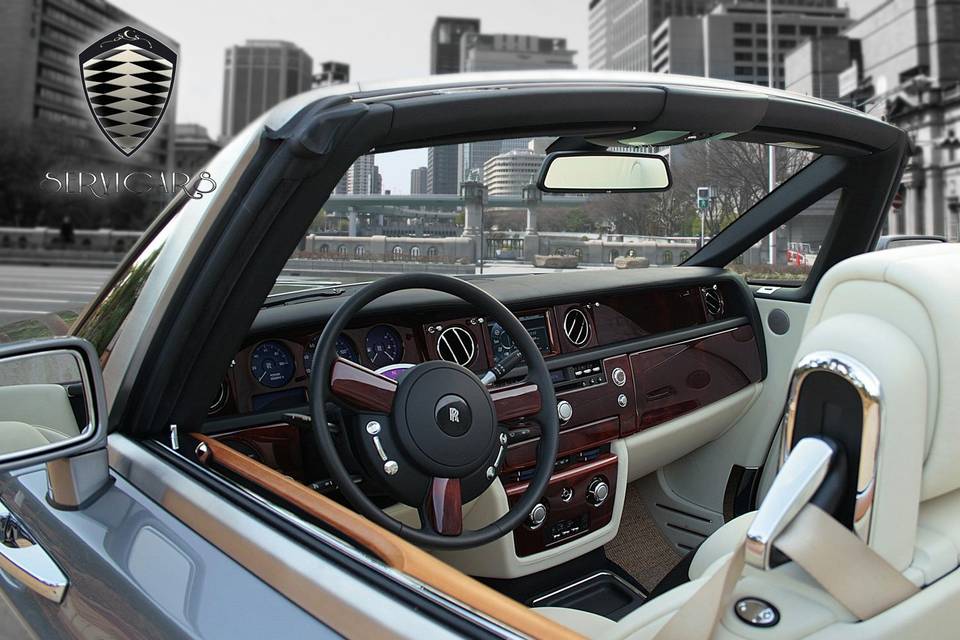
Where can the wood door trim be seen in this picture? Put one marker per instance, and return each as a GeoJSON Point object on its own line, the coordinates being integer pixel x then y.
{"type": "Point", "coordinates": [388, 547]}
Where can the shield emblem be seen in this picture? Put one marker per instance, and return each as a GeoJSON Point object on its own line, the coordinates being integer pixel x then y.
{"type": "Point", "coordinates": [127, 78]}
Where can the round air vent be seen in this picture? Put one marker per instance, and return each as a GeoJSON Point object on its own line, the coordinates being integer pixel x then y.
{"type": "Point", "coordinates": [713, 301]}
{"type": "Point", "coordinates": [576, 327]}
{"type": "Point", "coordinates": [456, 344]}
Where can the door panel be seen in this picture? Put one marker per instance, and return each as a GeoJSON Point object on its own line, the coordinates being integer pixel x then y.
{"type": "Point", "coordinates": [137, 572]}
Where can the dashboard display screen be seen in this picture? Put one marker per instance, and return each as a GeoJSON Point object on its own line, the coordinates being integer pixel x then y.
{"type": "Point", "coordinates": [503, 344]}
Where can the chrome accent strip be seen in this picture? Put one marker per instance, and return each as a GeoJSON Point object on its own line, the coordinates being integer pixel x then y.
{"type": "Point", "coordinates": [868, 388]}
{"type": "Point", "coordinates": [794, 486]}
{"type": "Point", "coordinates": [283, 564]}
{"type": "Point", "coordinates": [25, 561]}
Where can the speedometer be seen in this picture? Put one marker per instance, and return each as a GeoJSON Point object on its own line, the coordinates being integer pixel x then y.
{"type": "Point", "coordinates": [271, 364]}
{"type": "Point", "coordinates": [345, 349]}
{"type": "Point", "coordinates": [383, 345]}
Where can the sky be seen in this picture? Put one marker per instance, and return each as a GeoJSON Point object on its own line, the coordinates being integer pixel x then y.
{"type": "Point", "coordinates": [379, 39]}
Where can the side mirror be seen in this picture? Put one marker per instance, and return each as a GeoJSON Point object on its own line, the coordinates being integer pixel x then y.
{"type": "Point", "coordinates": [603, 172]}
{"type": "Point", "coordinates": [52, 409]}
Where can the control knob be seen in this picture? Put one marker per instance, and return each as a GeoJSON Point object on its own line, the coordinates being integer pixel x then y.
{"type": "Point", "coordinates": [537, 516]}
{"type": "Point", "coordinates": [598, 491]}
{"type": "Point", "coordinates": [619, 377]}
{"type": "Point", "coordinates": [564, 410]}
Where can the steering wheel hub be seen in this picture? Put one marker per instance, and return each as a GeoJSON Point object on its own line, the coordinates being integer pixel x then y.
{"type": "Point", "coordinates": [444, 419]}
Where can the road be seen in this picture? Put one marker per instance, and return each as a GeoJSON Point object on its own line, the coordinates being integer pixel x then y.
{"type": "Point", "coordinates": [30, 291]}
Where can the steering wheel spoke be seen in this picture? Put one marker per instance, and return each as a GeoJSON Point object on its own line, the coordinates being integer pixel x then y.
{"type": "Point", "coordinates": [516, 402]}
{"type": "Point", "coordinates": [442, 510]}
{"type": "Point", "coordinates": [360, 387]}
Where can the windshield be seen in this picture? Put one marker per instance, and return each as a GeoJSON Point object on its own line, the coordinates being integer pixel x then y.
{"type": "Point", "coordinates": [474, 210]}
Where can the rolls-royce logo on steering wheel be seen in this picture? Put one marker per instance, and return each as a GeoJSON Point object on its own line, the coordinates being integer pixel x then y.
{"type": "Point", "coordinates": [453, 415]}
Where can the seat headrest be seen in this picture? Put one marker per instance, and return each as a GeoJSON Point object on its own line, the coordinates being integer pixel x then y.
{"type": "Point", "coordinates": [917, 291]}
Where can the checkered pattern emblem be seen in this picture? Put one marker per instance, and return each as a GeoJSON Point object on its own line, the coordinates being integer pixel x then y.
{"type": "Point", "coordinates": [127, 78]}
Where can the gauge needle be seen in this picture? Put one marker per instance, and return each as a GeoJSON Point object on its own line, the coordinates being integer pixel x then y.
{"type": "Point", "coordinates": [260, 379]}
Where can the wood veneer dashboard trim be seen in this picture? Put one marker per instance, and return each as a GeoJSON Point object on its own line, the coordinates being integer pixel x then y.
{"type": "Point", "coordinates": [388, 547]}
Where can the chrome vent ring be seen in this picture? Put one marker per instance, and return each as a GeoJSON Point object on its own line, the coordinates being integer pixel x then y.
{"type": "Point", "coordinates": [456, 344]}
{"type": "Point", "coordinates": [713, 301]}
{"type": "Point", "coordinates": [576, 327]}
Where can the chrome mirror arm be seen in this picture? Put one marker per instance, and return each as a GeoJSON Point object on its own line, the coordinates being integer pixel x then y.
{"type": "Point", "coordinates": [795, 484]}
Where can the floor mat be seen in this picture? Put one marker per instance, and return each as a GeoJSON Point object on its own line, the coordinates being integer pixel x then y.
{"type": "Point", "coordinates": [639, 547]}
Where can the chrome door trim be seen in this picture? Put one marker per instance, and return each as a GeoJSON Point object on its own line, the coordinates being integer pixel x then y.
{"type": "Point", "coordinates": [23, 559]}
{"type": "Point", "coordinates": [285, 565]}
{"type": "Point", "coordinates": [867, 386]}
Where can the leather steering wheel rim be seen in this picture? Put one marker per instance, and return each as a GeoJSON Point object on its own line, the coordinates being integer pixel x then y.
{"type": "Point", "coordinates": [537, 373]}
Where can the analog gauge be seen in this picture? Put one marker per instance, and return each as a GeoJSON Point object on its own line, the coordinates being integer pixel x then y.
{"type": "Point", "coordinates": [271, 364]}
{"type": "Point", "coordinates": [345, 350]}
{"type": "Point", "coordinates": [383, 345]}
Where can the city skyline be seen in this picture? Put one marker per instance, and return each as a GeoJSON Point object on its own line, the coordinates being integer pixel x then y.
{"type": "Point", "coordinates": [405, 33]}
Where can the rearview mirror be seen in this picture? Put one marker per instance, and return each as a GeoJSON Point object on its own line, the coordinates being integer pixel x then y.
{"type": "Point", "coordinates": [603, 172]}
{"type": "Point", "coordinates": [51, 401]}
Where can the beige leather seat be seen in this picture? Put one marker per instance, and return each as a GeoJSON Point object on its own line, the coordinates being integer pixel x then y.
{"type": "Point", "coordinates": [897, 313]}
{"type": "Point", "coordinates": [32, 415]}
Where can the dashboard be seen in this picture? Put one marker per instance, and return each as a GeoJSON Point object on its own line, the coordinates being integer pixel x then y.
{"type": "Point", "coordinates": [627, 352]}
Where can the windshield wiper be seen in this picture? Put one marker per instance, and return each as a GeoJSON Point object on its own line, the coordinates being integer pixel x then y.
{"type": "Point", "coordinates": [301, 296]}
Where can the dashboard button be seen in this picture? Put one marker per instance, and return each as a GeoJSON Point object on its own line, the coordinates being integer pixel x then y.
{"type": "Point", "coordinates": [622, 400]}
{"type": "Point", "coordinates": [619, 377]}
{"type": "Point", "coordinates": [564, 410]}
{"type": "Point", "coordinates": [598, 491]}
{"type": "Point", "coordinates": [537, 516]}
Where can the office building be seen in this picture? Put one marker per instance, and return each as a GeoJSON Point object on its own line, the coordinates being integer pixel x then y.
{"type": "Point", "coordinates": [730, 42]}
{"type": "Point", "coordinates": [43, 99]}
{"type": "Point", "coordinates": [418, 180]}
{"type": "Point", "coordinates": [442, 162]}
{"type": "Point", "coordinates": [814, 68]}
{"type": "Point", "coordinates": [508, 173]}
{"type": "Point", "coordinates": [906, 69]}
{"type": "Point", "coordinates": [363, 177]}
{"type": "Point", "coordinates": [332, 73]}
{"type": "Point", "coordinates": [620, 31]}
{"type": "Point", "coordinates": [259, 74]}
{"type": "Point", "coordinates": [512, 52]}
{"type": "Point", "coordinates": [194, 148]}
{"type": "Point", "coordinates": [445, 42]}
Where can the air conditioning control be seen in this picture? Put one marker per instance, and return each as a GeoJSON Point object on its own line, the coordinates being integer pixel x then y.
{"type": "Point", "coordinates": [564, 410]}
{"type": "Point", "coordinates": [598, 491]}
{"type": "Point", "coordinates": [537, 517]}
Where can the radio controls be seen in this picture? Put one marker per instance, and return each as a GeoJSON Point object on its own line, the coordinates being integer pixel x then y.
{"type": "Point", "coordinates": [619, 377]}
{"type": "Point", "coordinates": [537, 517]}
{"type": "Point", "coordinates": [598, 491]}
{"type": "Point", "coordinates": [564, 410]}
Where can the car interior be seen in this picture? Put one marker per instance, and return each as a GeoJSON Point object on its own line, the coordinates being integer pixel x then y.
{"type": "Point", "coordinates": [581, 452]}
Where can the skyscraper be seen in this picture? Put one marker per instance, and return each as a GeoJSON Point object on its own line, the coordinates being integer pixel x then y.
{"type": "Point", "coordinates": [258, 75]}
{"type": "Point", "coordinates": [363, 177]}
{"type": "Point", "coordinates": [418, 180]}
{"type": "Point", "coordinates": [445, 39]}
{"type": "Point", "coordinates": [620, 31]}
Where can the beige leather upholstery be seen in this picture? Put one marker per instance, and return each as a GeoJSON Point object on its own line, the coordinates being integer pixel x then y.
{"type": "Point", "coordinates": [32, 415]}
{"type": "Point", "coordinates": [896, 312]}
{"type": "Point", "coordinates": [587, 624]}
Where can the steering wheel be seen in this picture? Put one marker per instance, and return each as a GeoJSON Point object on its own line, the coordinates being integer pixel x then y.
{"type": "Point", "coordinates": [435, 440]}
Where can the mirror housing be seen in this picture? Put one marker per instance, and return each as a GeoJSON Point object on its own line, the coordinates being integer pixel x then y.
{"type": "Point", "coordinates": [53, 410]}
{"type": "Point", "coordinates": [604, 172]}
